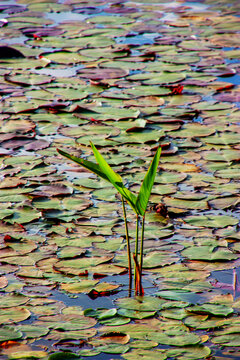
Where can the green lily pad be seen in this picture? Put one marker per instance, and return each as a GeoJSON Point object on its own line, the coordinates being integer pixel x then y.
{"type": "Point", "coordinates": [165, 78]}
{"type": "Point", "coordinates": [33, 331]}
{"type": "Point", "coordinates": [30, 79]}
{"type": "Point", "coordinates": [141, 354]}
{"type": "Point", "coordinates": [134, 314]}
{"type": "Point", "coordinates": [183, 339]}
{"type": "Point", "coordinates": [202, 322]}
{"type": "Point", "coordinates": [223, 138]}
{"type": "Point", "coordinates": [9, 333]}
{"type": "Point", "coordinates": [212, 221]}
{"type": "Point", "coordinates": [227, 340]}
{"type": "Point", "coordinates": [83, 286]}
{"type": "Point", "coordinates": [31, 354]}
{"type": "Point", "coordinates": [170, 177]}
{"type": "Point", "coordinates": [101, 314]}
{"type": "Point", "coordinates": [184, 59]}
{"type": "Point", "coordinates": [11, 300]}
{"type": "Point", "coordinates": [227, 173]}
{"type": "Point", "coordinates": [158, 259]}
{"type": "Point", "coordinates": [195, 352]}
{"type": "Point", "coordinates": [111, 20]}
{"type": "Point", "coordinates": [140, 304]}
{"type": "Point", "coordinates": [13, 314]}
{"type": "Point", "coordinates": [177, 295]}
{"type": "Point", "coordinates": [72, 335]}
{"type": "Point", "coordinates": [194, 130]}
{"type": "Point", "coordinates": [146, 90]}
{"type": "Point", "coordinates": [115, 321]}
{"type": "Point", "coordinates": [25, 215]}
{"type": "Point", "coordinates": [209, 253]}
{"type": "Point", "coordinates": [214, 309]}
{"type": "Point", "coordinates": [186, 204]}
{"type": "Point", "coordinates": [177, 314]}
{"type": "Point", "coordinates": [113, 349]}
{"type": "Point", "coordinates": [204, 105]}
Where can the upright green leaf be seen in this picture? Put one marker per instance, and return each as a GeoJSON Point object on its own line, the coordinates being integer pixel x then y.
{"type": "Point", "coordinates": [109, 172]}
{"type": "Point", "coordinates": [115, 179]}
{"type": "Point", "coordinates": [95, 168]}
{"type": "Point", "coordinates": [147, 184]}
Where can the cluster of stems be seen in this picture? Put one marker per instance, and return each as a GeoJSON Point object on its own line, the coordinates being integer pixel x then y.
{"type": "Point", "coordinates": [138, 204]}
{"type": "Point", "coordinates": [137, 264]}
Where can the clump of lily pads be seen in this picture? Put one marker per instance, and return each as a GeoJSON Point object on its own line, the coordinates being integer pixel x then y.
{"type": "Point", "coordinates": [138, 204]}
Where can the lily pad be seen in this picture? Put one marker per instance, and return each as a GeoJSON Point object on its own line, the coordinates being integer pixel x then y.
{"type": "Point", "coordinates": [209, 253]}
{"type": "Point", "coordinates": [9, 333]}
{"type": "Point", "coordinates": [212, 221]}
{"type": "Point", "coordinates": [140, 304]}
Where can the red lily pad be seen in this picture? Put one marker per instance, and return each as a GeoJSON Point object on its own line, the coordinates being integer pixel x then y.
{"type": "Point", "coordinates": [37, 145]}
{"type": "Point", "coordinates": [53, 190]}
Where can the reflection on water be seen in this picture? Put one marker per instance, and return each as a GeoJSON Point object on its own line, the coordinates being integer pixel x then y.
{"type": "Point", "coordinates": [66, 72]}
{"type": "Point", "coordinates": [227, 280]}
{"type": "Point", "coordinates": [59, 17]}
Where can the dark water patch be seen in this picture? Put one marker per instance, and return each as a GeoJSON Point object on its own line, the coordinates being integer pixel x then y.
{"type": "Point", "coordinates": [141, 39]}
{"type": "Point", "coordinates": [232, 61]}
{"type": "Point", "coordinates": [234, 79]}
{"type": "Point", "coordinates": [198, 119]}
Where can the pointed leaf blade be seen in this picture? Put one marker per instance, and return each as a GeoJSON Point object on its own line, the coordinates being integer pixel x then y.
{"type": "Point", "coordinates": [147, 184]}
{"type": "Point", "coordinates": [95, 168]}
{"type": "Point", "coordinates": [110, 173]}
{"type": "Point", "coordinates": [115, 179]}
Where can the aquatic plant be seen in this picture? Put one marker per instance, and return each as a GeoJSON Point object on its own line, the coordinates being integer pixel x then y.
{"type": "Point", "coordinates": [138, 203]}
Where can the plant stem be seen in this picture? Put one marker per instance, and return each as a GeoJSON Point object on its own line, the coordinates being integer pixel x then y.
{"type": "Point", "coordinates": [128, 245]}
{"type": "Point", "coordinates": [138, 285]}
{"type": "Point", "coordinates": [136, 242]}
{"type": "Point", "coordinates": [141, 250]}
{"type": "Point", "coordinates": [136, 247]}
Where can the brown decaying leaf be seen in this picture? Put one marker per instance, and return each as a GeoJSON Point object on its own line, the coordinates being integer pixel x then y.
{"type": "Point", "coordinates": [115, 337]}
{"type": "Point", "coordinates": [3, 282]}
{"type": "Point", "coordinates": [57, 189]}
{"type": "Point", "coordinates": [12, 182]}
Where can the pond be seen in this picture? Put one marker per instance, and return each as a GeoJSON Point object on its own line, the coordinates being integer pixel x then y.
{"type": "Point", "coordinates": [130, 77]}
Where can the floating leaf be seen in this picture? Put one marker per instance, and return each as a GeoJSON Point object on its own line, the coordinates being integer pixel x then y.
{"type": "Point", "coordinates": [177, 295]}
{"type": "Point", "coordinates": [33, 331]}
{"type": "Point", "coordinates": [13, 314]}
{"type": "Point", "coordinates": [140, 304]}
{"type": "Point", "coordinates": [113, 349]}
{"type": "Point", "coordinates": [195, 352]}
{"type": "Point", "coordinates": [134, 314]}
{"type": "Point", "coordinates": [138, 354]}
{"type": "Point", "coordinates": [212, 221]}
{"type": "Point", "coordinates": [63, 356]}
{"type": "Point", "coordinates": [183, 339]}
{"type": "Point", "coordinates": [9, 333]}
{"type": "Point", "coordinates": [214, 309]}
{"type": "Point", "coordinates": [209, 253]}
{"type": "Point", "coordinates": [31, 354]}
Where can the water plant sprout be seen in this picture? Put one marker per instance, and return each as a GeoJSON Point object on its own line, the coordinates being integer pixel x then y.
{"type": "Point", "coordinates": [138, 204]}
